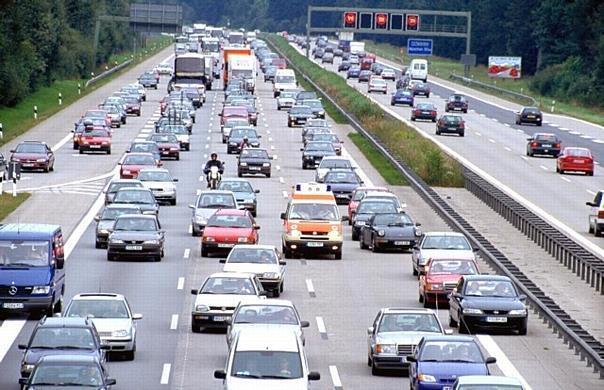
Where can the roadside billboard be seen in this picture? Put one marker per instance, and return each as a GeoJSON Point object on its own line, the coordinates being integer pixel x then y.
{"type": "Point", "coordinates": [505, 67]}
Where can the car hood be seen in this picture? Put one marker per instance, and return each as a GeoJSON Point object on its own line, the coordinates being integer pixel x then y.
{"type": "Point", "coordinates": [104, 224]}
{"type": "Point", "coordinates": [29, 156]}
{"type": "Point", "coordinates": [445, 370]}
{"type": "Point", "coordinates": [234, 383]}
{"type": "Point", "coordinates": [286, 100]}
{"type": "Point", "coordinates": [144, 206]}
{"type": "Point", "coordinates": [226, 232]}
{"type": "Point", "coordinates": [24, 276]}
{"type": "Point", "coordinates": [447, 254]}
{"type": "Point", "coordinates": [134, 235]}
{"type": "Point", "coordinates": [111, 324]}
{"type": "Point", "coordinates": [398, 231]}
{"type": "Point", "coordinates": [402, 337]}
{"type": "Point", "coordinates": [251, 268]}
{"type": "Point", "coordinates": [492, 303]}
{"type": "Point", "coordinates": [165, 185]}
{"type": "Point", "coordinates": [33, 355]}
{"type": "Point", "coordinates": [300, 115]}
{"type": "Point", "coordinates": [66, 387]}
{"type": "Point", "coordinates": [244, 196]}
{"type": "Point", "coordinates": [225, 300]}
{"type": "Point", "coordinates": [135, 168]}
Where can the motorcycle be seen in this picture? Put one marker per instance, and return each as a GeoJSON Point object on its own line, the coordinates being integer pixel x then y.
{"type": "Point", "coordinates": [214, 178]}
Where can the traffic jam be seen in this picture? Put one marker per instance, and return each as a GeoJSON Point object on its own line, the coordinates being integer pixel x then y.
{"type": "Point", "coordinates": [79, 339]}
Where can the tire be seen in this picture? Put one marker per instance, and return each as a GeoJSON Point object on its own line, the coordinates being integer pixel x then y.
{"type": "Point", "coordinates": [415, 273]}
{"type": "Point", "coordinates": [254, 213]}
{"type": "Point", "coordinates": [109, 151]}
{"type": "Point", "coordinates": [561, 171]}
{"type": "Point", "coordinates": [412, 119]}
{"type": "Point", "coordinates": [111, 257]}
{"type": "Point", "coordinates": [597, 231]}
{"type": "Point", "coordinates": [420, 298]}
{"type": "Point", "coordinates": [392, 104]}
{"type": "Point", "coordinates": [99, 245]}
{"type": "Point", "coordinates": [276, 292]}
{"type": "Point", "coordinates": [188, 148]}
{"type": "Point", "coordinates": [58, 307]}
{"type": "Point", "coordinates": [195, 328]}
{"type": "Point", "coordinates": [282, 287]}
{"type": "Point", "coordinates": [157, 258]}
{"type": "Point", "coordinates": [465, 111]}
{"type": "Point", "coordinates": [427, 95]}
{"type": "Point", "coordinates": [172, 202]}
{"type": "Point", "coordinates": [522, 329]}
{"type": "Point", "coordinates": [289, 124]}
{"type": "Point", "coordinates": [437, 132]}
{"type": "Point", "coordinates": [286, 252]}
{"type": "Point", "coordinates": [75, 146]}
{"type": "Point", "coordinates": [461, 133]}
{"type": "Point", "coordinates": [452, 322]}
{"type": "Point", "coordinates": [374, 369]}
{"type": "Point", "coordinates": [590, 230]}
{"type": "Point", "coordinates": [539, 124]}
{"type": "Point", "coordinates": [204, 252]}
{"type": "Point", "coordinates": [194, 232]}
{"type": "Point", "coordinates": [119, 125]}
{"type": "Point", "coordinates": [374, 247]}
{"type": "Point", "coordinates": [338, 255]}
{"type": "Point", "coordinates": [590, 173]}
{"type": "Point", "coordinates": [239, 174]}
{"type": "Point", "coordinates": [178, 157]}
{"type": "Point", "coordinates": [129, 355]}
{"type": "Point", "coordinates": [81, 151]}
{"type": "Point", "coordinates": [268, 175]}
{"type": "Point", "coordinates": [368, 360]}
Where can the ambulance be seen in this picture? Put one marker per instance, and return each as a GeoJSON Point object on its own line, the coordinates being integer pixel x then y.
{"type": "Point", "coordinates": [312, 223]}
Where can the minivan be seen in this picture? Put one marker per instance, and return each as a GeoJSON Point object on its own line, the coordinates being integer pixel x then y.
{"type": "Point", "coordinates": [418, 70]}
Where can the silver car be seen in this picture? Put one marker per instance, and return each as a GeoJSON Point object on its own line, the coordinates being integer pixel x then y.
{"type": "Point", "coordinates": [207, 203]}
{"type": "Point", "coordinates": [394, 335]}
{"type": "Point", "coordinates": [440, 245]}
{"type": "Point", "coordinates": [160, 182]}
{"type": "Point", "coordinates": [377, 85]}
{"type": "Point", "coordinates": [112, 318]}
{"type": "Point", "coordinates": [286, 99]}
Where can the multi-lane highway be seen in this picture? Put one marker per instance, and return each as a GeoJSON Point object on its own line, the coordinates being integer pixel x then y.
{"type": "Point", "coordinates": [339, 298]}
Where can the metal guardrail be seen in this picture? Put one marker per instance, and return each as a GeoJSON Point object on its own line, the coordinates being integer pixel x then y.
{"type": "Point", "coordinates": [584, 344]}
{"type": "Point", "coordinates": [107, 73]}
{"type": "Point", "coordinates": [468, 81]}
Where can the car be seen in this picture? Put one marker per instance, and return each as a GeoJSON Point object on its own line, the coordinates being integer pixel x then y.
{"type": "Point", "coordinates": [424, 111]}
{"type": "Point", "coordinates": [3, 166]}
{"type": "Point", "coordinates": [164, 69]}
{"type": "Point", "coordinates": [230, 124]}
{"type": "Point", "coordinates": [226, 228]}
{"type": "Point", "coordinates": [596, 214]}
{"type": "Point", "coordinates": [173, 118]}
{"type": "Point", "coordinates": [168, 145]}
{"type": "Point", "coordinates": [269, 73]}
{"type": "Point", "coordinates": [244, 193]}
{"type": "Point", "coordinates": [34, 155]}
{"type": "Point", "coordinates": [233, 112]}
{"type": "Point", "coordinates": [180, 132]}
{"type": "Point", "coordinates": [277, 314]}
{"type": "Point", "coordinates": [314, 152]}
{"type": "Point", "coordinates": [115, 115]}
{"type": "Point", "coordinates": [319, 53]}
{"type": "Point", "coordinates": [440, 278]}
{"type": "Point", "coordinates": [286, 99]}
{"type": "Point", "coordinates": [473, 382]}
{"type": "Point", "coordinates": [315, 122]}
{"type": "Point", "coordinates": [148, 81]}
{"type": "Point", "coordinates": [262, 260]}
{"type": "Point", "coordinates": [329, 137]}
{"type": "Point", "coordinates": [332, 162]}
{"type": "Point", "coordinates": [253, 161]}
{"type": "Point", "coordinates": [132, 163]}
{"type": "Point", "coordinates": [206, 205]}
{"type": "Point", "coordinates": [299, 115]}
{"type": "Point", "coordinates": [54, 371]}
{"type": "Point", "coordinates": [160, 182]}
{"type": "Point", "coordinates": [354, 61]}
{"type": "Point", "coordinates": [483, 302]}
{"type": "Point", "coordinates": [377, 68]}
{"type": "Point", "coordinates": [61, 336]}
{"type": "Point", "coordinates": [364, 76]}
{"type": "Point", "coordinates": [543, 143]}
{"type": "Point", "coordinates": [308, 133]}
{"type": "Point", "coordinates": [316, 106]}
{"type": "Point", "coordinates": [266, 358]}
{"type": "Point", "coordinates": [97, 140]}
{"type": "Point", "coordinates": [529, 115]}
{"type": "Point", "coordinates": [389, 231]}
{"type": "Point", "coordinates": [219, 294]}
{"type": "Point", "coordinates": [456, 102]}
{"type": "Point", "coordinates": [116, 184]}
{"type": "Point", "coordinates": [357, 196]}
{"type": "Point", "coordinates": [344, 66]}
{"type": "Point", "coordinates": [451, 123]}
{"type": "Point", "coordinates": [327, 58]}
{"type": "Point", "coordinates": [88, 126]}
{"type": "Point", "coordinates": [420, 88]}
{"type": "Point", "coordinates": [96, 114]}
{"type": "Point", "coordinates": [112, 317]}
{"type": "Point", "coordinates": [575, 159]}
{"type": "Point", "coordinates": [305, 95]}
{"type": "Point", "coordinates": [141, 197]}
{"type": "Point", "coordinates": [366, 209]}
{"type": "Point", "coordinates": [238, 134]}
{"type": "Point", "coordinates": [402, 96]}
{"type": "Point", "coordinates": [353, 72]}
{"type": "Point", "coordinates": [395, 333]}
{"type": "Point", "coordinates": [133, 105]}
{"type": "Point", "coordinates": [342, 182]}
{"type": "Point", "coordinates": [439, 360]}
{"type": "Point", "coordinates": [388, 74]}
{"type": "Point", "coordinates": [136, 236]}
{"type": "Point", "coordinates": [440, 245]}
{"type": "Point", "coordinates": [106, 218]}
{"type": "Point", "coordinates": [194, 96]}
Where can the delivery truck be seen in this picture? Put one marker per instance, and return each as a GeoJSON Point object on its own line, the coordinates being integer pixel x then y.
{"type": "Point", "coordinates": [227, 53]}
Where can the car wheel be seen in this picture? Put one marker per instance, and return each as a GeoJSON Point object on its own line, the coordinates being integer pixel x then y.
{"type": "Point", "coordinates": [110, 257]}
{"type": "Point", "coordinates": [465, 111]}
{"type": "Point", "coordinates": [129, 355]}
{"type": "Point", "coordinates": [173, 202]}
{"type": "Point", "coordinates": [268, 175]}
{"type": "Point", "coordinates": [282, 287]}
{"type": "Point", "coordinates": [452, 322]}
{"type": "Point", "coordinates": [415, 273]}
{"type": "Point", "coordinates": [522, 329]}
{"type": "Point", "coordinates": [539, 124]}
{"type": "Point", "coordinates": [437, 131]}
{"type": "Point", "coordinates": [99, 245]}
{"type": "Point", "coordinates": [239, 174]}
{"type": "Point", "coordinates": [178, 157]}
{"type": "Point", "coordinates": [119, 125]}
{"type": "Point", "coordinates": [561, 171]}
{"type": "Point", "coordinates": [420, 298]}
{"type": "Point", "coordinates": [75, 146]}
{"type": "Point", "coordinates": [368, 360]}
{"type": "Point", "coordinates": [374, 369]}
{"type": "Point", "coordinates": [362, 243]}
{"type": "Point", "coordinates": [461, 133]}
{"type": "Point", "coordinates": [289, 124]}
{"type": "Point", "coordinates": [109, 151]}
{"type": "Point", "coordinates": [590, 173]}
{"type": "Point", "coordinates": [338, 255]}
{"type": "Point", "coordinates": [286, 252]}
{"type": "Point", "coordinates": [412, 119]}
{"type": "Point", "coordinates": [590, 230]}
{"type": "Point", "coordinates": [204, 252]}
{"type": "Point", "coordinates": [195, 328]}
{"type": "Point", "coordinates": [276, 293]}
{"type": "Point", "coordinates": [597, 231]}
{"type": "Point", "coordinates": [195, 232]}
{"type": "Point", "coordinates": [428, 95]}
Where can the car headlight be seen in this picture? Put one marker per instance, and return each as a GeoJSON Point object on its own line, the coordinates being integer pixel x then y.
{"type": "Point", "coordinates": [233, 143]}
{"type": "Point", "coordinates": [381, 233]}
{"type": "Point", "coordinates": [243, 164]}
{"type": "Point", "coordinates": [294, 233]}
{"type": "Point", "coordinates": [149, 212]}
{"type": "Point", "coordinates": [270, 275]}
{"type": "Point", "coordinates": [209, 239]}
{"type": "Point", "coordinates": [518, 312]}
{"type": "Point", "coordinates": [27, 367]}
{"type": "Point", "coordinates": [435, 286]}
{"type": "Point", "coordinates": [202, 308]}
{"type": "Point", "coordinates": [334, 235]}
{"type": "Point", "coordinates": [426, 378]}
{"type": "Point", "coordinates": [120, 333]}
{"type": "Point", "coordinates": [40, 290]}
{"type": "Point", "coordinates": [266, 164]}
{"type": "Point", "coordinates": [116, 241]}
{"type": "Point", "coordinates": [104, 231]}
{"type": "Point", "coordinates": [242, 239]}
{"type": "Point", "coordinates": [385, 348]}
{"type": "Point", "coordinates": [41, 160]}
{"type": "Point", "coordinates": [200, 220]}
{"type": "Point", "coordinates": [472, 311]}
{"type": "Point", "coordinates": [418, 232]}
{"type": "Point", "coordinates": [152, 242]}
{"type": "Point", "coordinates": [321, 112]}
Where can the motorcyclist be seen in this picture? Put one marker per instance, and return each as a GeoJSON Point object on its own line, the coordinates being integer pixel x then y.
{"type": "Point", "coordinates": [213, 162]}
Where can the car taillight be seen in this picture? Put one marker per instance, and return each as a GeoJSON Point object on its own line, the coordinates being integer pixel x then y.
{"type": "Point", "coordinates": [433, 112]}
{"type": "Point", "coordinates": [418, 111]}
{"type": "Point", "coordinates": [462, 125]}
{"type": "Point", "coordinates": [556, 145]}
{"type": "Point", "coordinates": [534, 144]}
{"type": "Point", "coordinates": [601, 214]}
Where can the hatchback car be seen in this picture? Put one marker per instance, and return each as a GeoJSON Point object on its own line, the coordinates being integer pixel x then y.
{"type": "Point", "coordinates": [54, 371]}
{"type": "Point", "coordinates": [168, 145]}
{"type": "Point", "coordinates": [441, 277]}
{"type": "Point", "coordinates": [377, 85]}
{"type": "Point", "coordinates": [34, 155]}
{"type": "Point", "coordinates": [456, 102]}
{"type": "Point", "coordinates": [286, 99]}
{"type": "Point", "coordinates": [316, 106]}
{"type": "Point", "coordinates": [353, 72]}
{"type": "Point", "coordinates": [420, 88]}
{"type": "Point", "coordinates": [145, 147]}
{"type": "Point", "coordinates": [227, 228]}
{"type": "Point", "coordinates": [543, 143]}
{"type": "Point", "coordinates": [97, 140]}
{"type": "Point", "coordinates": [182, 135]}
{"type": "Point", "coordinates": [389, 231]}
{"type": "Point", "coordinates": [529, 115]}
{"type": "Point", "coordinates": [335, 141]}
{"type": "Point", "coordinates": [424, 111]}
{"type": "Point", "coordinates": [388, 74]}
{"type": "Point", "coordinates": [238, 134]}
{"type": "Point", "coordinates": [230, 124]}
{"type": "Point", "coordinates": [253, 161]}
{"type": "Point", "coordinates": [106, 218]}
{"type": "Point", "coordinates": [115, 185]}
{"type": "Point", "coordinates": [342, 183]}
{"type": "Point", "coordinates": [365, 75]}
{"type": "Point", "coordinates": [141, 197]}
{"type": "Point", "coordinates": [402, 96]}
{"type": "Point", "coordinates": [450, 123]}
{"type": "Point", "coordinates": [575, 159]}
{"type": "Point", "coordinates": [136, 236]}
{"type": "Point", "coordinates": [327, 58]}
{"type": "Point", "coordinates": [299, 115]}
{"type": "Point", "coordinates": [206, 205]}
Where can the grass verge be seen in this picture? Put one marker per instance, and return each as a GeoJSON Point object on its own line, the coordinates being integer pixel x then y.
{"type": "Point", "coordinates": [443, 67]}
{"type": "Point", "coordinates": [9, 203]}
{"type": "Point", "coordinates": [18, 119]}
{"type": "Point", "coordinates": [386, 169]}
{"type": "Point", "coordinates": [330, 109]}
{"type": "Point", "coordinates": [404, 142]}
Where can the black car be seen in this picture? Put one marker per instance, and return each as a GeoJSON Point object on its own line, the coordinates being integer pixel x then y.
{"type": "Point", "coordinates": [389, 231]}
{"type": "Point", "coordinates": [487, 302]}
{"type": "Point", "coordinates": [420, 88]}
{"type": "Point", "coordinates": [451, 123]}
{"type": "Point", "coordinates": [254, 161]}
{"type": "Point", "coordinates": [305, 95]}
{"type": "Point", "coordinates": [529, 115]}
{"type": "Point", "coordinates": [106, 218]}
{"type": "Point", "coordinates": [344, 66]}
{"type": "Point", "coordinates": [364, 76]}
{"type": "Point", "coordinates": [137, 236]}
{"type": "Point", "coordinates": [342, 183]}
{"type": "Point", "coordinates": [116, 185]}
{"type": "Point", "coordinates": [424, 111]}
{"type": "Point", "coordinates": [236, 138]}
{"type": "Point", "coordinates": [368, 208]}
{"type": "Point", "coordinates": [313, 153]}
{"type": "Point", "coordinates": [456, 102]}
{"type": "Point", "coordinates": [54, 371]}
{"type": "Point", "coordinates": [299, 115]}
{"type": "Point", "coordinates": [543, 143]}
{"type": "Point", "coordinates": [148, 81]}
{"type": "Point", "coordinates": [141, 197]}
{"type": "Point", "coordinates": [316, 106]}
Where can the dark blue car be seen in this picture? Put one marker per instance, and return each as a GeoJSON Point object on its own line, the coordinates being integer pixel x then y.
{"type": "Point", "coordinates": [439, 360]}
{"type": "Point", "coordinates": [402, 96]}
{"type": "Point", "coordinates": [353, 72]}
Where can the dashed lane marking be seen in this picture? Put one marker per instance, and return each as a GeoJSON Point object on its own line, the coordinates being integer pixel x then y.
{"type": "Point", "coordinates": [565, 179]}
{"type": "Point", "coordinates": [165, 374]}
{"type": "Point", "coordinates": [187, 253]}
{"type": "Point", "coordinates": [181, 283]}
{"type": "Point", "coordinates": [174, 322]}
{"type": "Point", "coordinates": [311, 288]}
{"type": "Point", "coordinates": [543, 167]}
{"type": "Point", "coordinates": [335, 378]}
{"type": "Point", "coordinates": [321, 328]}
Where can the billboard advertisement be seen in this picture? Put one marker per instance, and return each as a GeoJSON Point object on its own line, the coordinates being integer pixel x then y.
{"type": "Point", "coordinates": [505, 67]}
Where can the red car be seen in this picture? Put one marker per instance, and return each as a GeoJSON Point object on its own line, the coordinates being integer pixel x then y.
{"type": "Point", "coordinates": [96, 140]}
{"type": "Point", "coordinates": [134, 162]}
{"type": "Point", "coordinates": [227, 228]}
{"type": "Point", "coordinates": [168, 144]}
{"type": "Point", "coordinates": [34, 155]}
{"type": "Point", "coordinates": [233, 112]}
{"type": "Point", "coordinates": [358, 195]}
{"type": "Point", "coordinates": [575, 159]}
{"type": "Point", "coordinates": [441, 277]}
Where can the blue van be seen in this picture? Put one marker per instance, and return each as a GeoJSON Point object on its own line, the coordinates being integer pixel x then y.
{"type": "Point", "coordinates": [32, 278]}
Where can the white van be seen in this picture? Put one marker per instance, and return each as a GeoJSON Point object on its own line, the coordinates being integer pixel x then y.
{"type": "Point", "coordinates": [266, 358]}
{"type": "Point", "coordinates": [418, 70]}
{"type": "Point", "coordinates": [285, 80]}
{"type": "Point", "coordinates": [596, 214]}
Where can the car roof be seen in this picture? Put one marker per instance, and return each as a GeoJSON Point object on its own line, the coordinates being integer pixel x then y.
{"type": "Point", "coordinates": [254, 300]}
{"type": "Point", "coordinates": [145, 189]}
{"type": "Point", "coordinates": [64, 322]}
{"type": "Point", "coordinates": [501, 278]}
{"type": "Point", "coordinates": [140, 153]}
{"type": "Point", "coordinates": [121, 206]}
{"type": "Point", "coordinates": [488, 379]}
{"type": "Point", "coordinates": [447, 338]}
{"type": "Point", "coordinates": [267, 339]}
{"type": "Point", "coordinates": [255, 246]}
{"type": "Point", "coordinates": [238, 275]}
{"type": "Point", "coordinates": [342, 158]}
{"type": "Point", "coordinates": [216, 192]}
{"type": "Point", "coordinates": [409, 310]}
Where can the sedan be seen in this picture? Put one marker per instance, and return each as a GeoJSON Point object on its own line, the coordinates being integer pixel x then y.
{"type": "Point", "coordinates": [456, 102]}
{"type": "Point", "coordinates": [357, 196]}
{"type": "Point", "coordinates": [377, 85]}
{"type": "Point", "coordinates": [286, 99]}
{"type": "Point", "coordinates": [137, 236]}
{"type": "Point", "coordinates": [299, 115]}
{"type": "Point", "coordinates": [575, 160]}
{"type": "Point", "coordinates": [367, 209]}
{"type": "Point", "coordinates": [106, 219]}
{"type": "Point", "coordinates": [389, 231]}
{"type": "Point", "coordinates": [133, 105]}
{"type": "Point", "coordinates": [116, 184]}
{"type": "Point", "coordinates": [402, 96]}
{"type": "Point", "coordinates": [54, 371]}
{"type": "Point", "coordinates": [238, 134]}
{"type": "Point", "coordinates": [342, 183]}
{"type": "Point", "coordinates": [226, 228]}
{"type": "Point", "coordinates": [160, 182]}
{"type": "Point", "coordinates": [365, 75]}
{"type": "Point", "coordinates": [168, 144]}
{"type": "Point", "coordinates": [441, 277]}
{"type": "Point", "coordinates": [487, 302]}
{"type": "Point", "coordinates": [420, 88]}
{"type": "Point", "coordinates": [353, 72]}
{"type": "Point", "coordinates": [141, 197]}
{"type": "Point", "coordinates": [543, 143]}
{"type": "Point", "coordinates": [182, 135]}
{"type": "Point", "coordinates": [313, 153]}
{"type": "Point", "coordinates": [230, 124]}
{"type": "Point", "coordinates": [317, 108]}
{"type": "Point", "coordinates": [335, 141]}
{"type": "Point", "coordinates": [440, 245]}
{"type": "Point", "coordinates": [244, 193]}
{"type": "Point", "coordinates": [327, 57]}
{"type": "Point", "coordinates": [206, 205]}
{"type": "Point", "coordinates": [424, 111]}
{"type": "Point", "coordinates": [34, 155]}
{"type": "Point", "coordinates": [529, 115]}
{"type": "Point", "coordinates": [148, 81]}
{"type": "Point", "coordinates": [388, 74]}
{"type": "Point", "coordinates": [98, 140]}
{"type": "Point", "coordinates": [344, 66]}
{"type": "Point", "coordinates": [253, 161]}
{"type": "Point", "coordinates": [132, 163]}
{"type": "Point", "coordinates": [450, 123]}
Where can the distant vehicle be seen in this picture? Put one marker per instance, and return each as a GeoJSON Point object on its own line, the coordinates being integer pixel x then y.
{"type": "Point", "coordinates": [253, 161]}
{"type": "Point", "coordinates": [141, 197]}
{"type": "Point", "coordinates": [596, 214]}
{"type": "Point", "coordinates": [230, 124]}
{"type": "Point", "coordinates": [357, 195]}
{"type": "Point", "coordinates": [116, 184]}
{"type": "Point", "coordinates": [136, 236]}
{"type": "Point", "coordinates": [244, 193]}
{"type": "Point", "coordinates": [285, 80]}
{"type": "Point", "coordinates": [377, 85]}
{"type": "Point", "coordinates": [440, 245]}
{"type": "Point", "coordinates": [168, 144]}
{"type": "Point", "coordinates": [529, 115]}
{"type": "Point", "coordinates": [424, 111]}
{"type": "Point", "coordinates": [388, 74]}
{"type": "Point", "coordinates": [236, 139]}
{"type": "Point", "coordinates": [342, 182]}
{"type": "Point", "coordinates": [419, 88]}
{"type": "Point", "coordinates": [34, 155]}
{"type": "Point", "coordinates": [164, 69]}
{"type": "Point", "coordinates": [206, 205]}
{"type": "Point", "coordinates": [106, 218]}
{"type": "Point", "coordinates": [331, 162]}
{"type": "Point", "coordinates": [314, 152]}
{"type": "Point", "coordinates": [98, 140]}
{"type": "Point", "coordinates": [368, 208]}
{"type": "Point", "coordinates": [148, 80]}
{"type": "Point", "coordinates": [402, 96]}
{"type": "Point", "coordinates": [226, 228]}
{"type": "Point", "coordinates": [299, 115]}
{"type": "Point", "coordinates": [575, 159]}
{"type": "Point", "coordinates": [132, 163]}
{"type": "Point", "coordinates": [451, 123]}
{"type": "Point", "coordinates": [327, 58]}
{"type": "Point", "coordinates": [286, 99]}
{"type": "Point", "coordinates": [456, 102]}
{"type": "Point", "coordinates": [543, 143]}
{"type": "Point", "coordinates": [353, 72]}
{"type": "Point", "coordinates": [343, 66]}
{"type": "Point", "coordinates": [364, 76]}
{"type": "Point", "coordinates": [418, 70]}
{"type": "Point", "coordinates": [160, 182]}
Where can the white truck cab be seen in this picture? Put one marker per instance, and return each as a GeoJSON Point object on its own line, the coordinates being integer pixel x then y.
{"type": "Point", "coordinates": [418, 70]}
{"type": "Point", "coordinates": [285, 80]}
{"type": "Point", "coordinates": [596, 214]}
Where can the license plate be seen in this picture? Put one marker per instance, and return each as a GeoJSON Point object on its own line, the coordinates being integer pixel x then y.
{"type": "Point", "coordinates": [497, 319]}
{"type": "Point", "coordinates": [546, 146]}
{"type": "Point", "coordinates": [221, 318]}
{"type": "Point", "coordinates": [254, 168]}
{"type": "Point", "coordinates": [531, 117]}
{"type": "Point", "coordinates": [134, 247]}
{"type": "Point", "coordinates": [452, 128]}
{"type": "Point", "coordinates": [315, 244]}
{"type": "Point", "coordinates": [165, 152]}
{"type": "Point", "coordinates": [457, 108]}
{"type": "Point", "coordinates": [11, 305]}
{"type": "Point", "coordinates": [95, 146]}
{"type": "Point", "coordinates": [226, 245]}
{"type": "Point", "coordinates": [578, 161]}
{"type": "Point", "coordinates": [401, 242]}
{"type": "Point", "coordinates": [447, 388]}
{"type": "Point", "coordinates": [425, 113]}
{"type": "Point", "coordinates": [27, 165]}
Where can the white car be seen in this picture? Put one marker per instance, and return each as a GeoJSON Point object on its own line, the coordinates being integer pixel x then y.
{"type": "Point", "coordinates": [164, 69]}
{"type": "Point", "coordinates": [286, 99]}
{"type": "Point", "coordinates": [262, 260]}
{"type": "Point", "coordinates": [473, 382]}
{"type": "Point", "coordinates": [160, 182]}
{"type": "Point", "coordinates": [388, 74]}
{"type": "Point", "coordinates": [331, 162]}
{"type": "Point", "coordinates": [377, 85]}
{"type": "Point", "coordinates": [218, 296]}
{"type": "Point", "coordinates": [181, 133]}
{"type": "Point", "coordinates": [440, 245]}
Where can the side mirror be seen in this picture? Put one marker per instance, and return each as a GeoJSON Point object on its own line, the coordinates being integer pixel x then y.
{"type": "Point", "coordinates": [222, 261]}
{"type": "Point", "coordinates": [137, 317]}
{"type": "Point", "coordinates": [370, 330]}
{"type": "Point", "coordinates": [282, 262]}
{"type": "Point", "coordinates": [12, 150]}
{"type": "Point", "coordinates": [194, 291]}
{"type": "Point", "coordinates": [411, 359]}
{"type": "Point", "coordinates": [457, 295]}
{"type": "Point", "coordinates": [175, 180]}
{"type": "Point", "coordinates": [191, 206]}
{"type": "Point", "coordinates": [529, 139]}
{"type": "Point", "coordinates": [592, 204]}
{"type": "Point", "coordinates": [282, 216]}
{"type": "Point", "coordinates": [522, 297]}
{"type": "Point", "coordinates": [314, 376]}
{"type": "Point", "coordinates": [60, 262]}
{"type": "Point", "coordinates": [23, 381]}
{"type": "Point", "coordinates": [110, 382]}
{"type": "Point", "coordinates": [304, 324]}
{"type": "Point", "coordinates": [263, 294]}
{"type": "Point", "coordinates": [418, 224]}
{"type": "Point", "coordinates": [97, 218]}
{"type": "Point", "coordinates": [256, 227]}
{"type": "Point", "coordinates": [256, 191]}
{"type": "Point", "coordinates": [301, 149]}
{"type": "Point", "coordinates": [491, 360]}
{"type": "Point", "coordinates": [22, 346]}
{"type": "Point", "coordinates": [475, 250]}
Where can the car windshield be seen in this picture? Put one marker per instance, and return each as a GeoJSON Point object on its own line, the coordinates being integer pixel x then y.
{"type": "Point", "coordinates": [68, 374]}
{"type": "Point", "coordinates": [31, 148]}
{"type": "Point", "coordinates": [397, 219]}
{"type": "Point", "coordinates": [235, 186]}
{"type": "Point", "coordinates": [266, 314]}
{"type": "Point", "coordinates": [63, 338]}
{"type": "Point", "coordinates": [174, 129]}
{"type": "Point", "coordinates": [300, 110]}
{"type": "Point", "coordinates": [225, 285]}
{"type": "Point", "coordinates": [341, 177]}
{"type": "Point", "coordinates": [576, 152]}
{"type": "Point", "coordinates": [285, 79]}
{"type": "Point", "coordinates": [131, 99]}
{"type": "Point", "coordinates": [229, 221]}
{"type": "Point", "coordinates": [136, 197]}
{"type": "Point", "coordinates": [250, 255]}
{"type": "Point", "coordinates": [111, 213]}
{"type": "Point", "coordinates": [327, 163]}
{"type": "Point", "coordinates": [452, 118]}
{"type": "Point", "coordinates": [425, 106]}
{"type": "Point", "coordinates": [154, 176]}
{"type": "Point", "coordinates": [378, 81]}
{"type": "Point", "coordinates": [446, 242]}
{"type": "Point", "coordinates": [457, 267]}
{"type": "Point", "coordinates": [138, 160]}
{"type": "Point", "coordinates": [457, 98]}
{"type": "Point", "coordinates": [135, 224]}
{"type": "Point", "coordinates": [326, 138]}
{"type": "Point", "coordinates": [164, 138]}
{"type": "Point", "coordinates": [266, 365]}
{"type": "Point", "coordinates": [533, 111]}
{"type": "Point", "coordinates": [216, 201]}
{"type": "Point", "coordinates": [97, 308]}
{"type": "Point", "coordinates": [314, 211]}
{"type": "Point", "coordinates": [320, 147]}
{"type": "Point", "coordinates": [490, 288]}
{"type": "Point", "coordinates": [451, 351]}
{"type": "Point", "coordinates": [15, 253]}
{"type": "Point", "coordinates": [409, 322]}
{"type": "Point", "coordinates": [376, 208]}
{"type": "Point", "coordinates": [240, 133]}
{"type": "Point", "coordinates": [254, 153]}
{"type": "Point", "coordinates": [115, 187]}
{"type": "Point", "coordinates": [288, 95]}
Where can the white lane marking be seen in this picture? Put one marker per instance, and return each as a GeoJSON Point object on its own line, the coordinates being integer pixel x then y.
{"type": "Point", "coordinates": [564, 129]}
{"type": "Point", "coordinates": [546, 122]}
{"type": "Point", "coordinates": [554, 125]}
{"type": "Point", "coordinates": [165, 374]}
{"type": "Point", "coordinates": [543, 167]}
{"type": "Point", "coordinates": [506, 124]}
{"type": "Point", "coordinates": [504, 364]}
{"type": "Point", "coordinates": [181, 283]}
{"type": "Point", "coordinates": [285, 194]}
{"type": "Point", "coordinates": [281, 180]}
{"type": "Point", "coordinates": [209, 138]}
{"type": "Point", "coordinates": [598, 141]}
{"type": "Point", "coordinates": [268, 132]}
{"type": "Point", "coordinates": [272, 147]}
{"type": "Point", "coordinates": [321, 325]}
{"type": "Point", "coordinates": [207, 146]}
{"type": "Point", "coordinates": [174, 322]}
{"type": "Point", "coordinates": [190, 228]}
{"type": "Point", "coordinates": [591, 192]}
{"type": "Point", "coordinates": [266, 125]}
{"type": "Point", "coordinates": [483, 115]}
{"type": "Point", "coordinates": [491, 140]}
{"type": "Point", "coordinates": [520, 131]}
{"type": "Point", "coordinates": [477, 133]}
{"type": "Point", "coordinates": [198, 191]}
{"type": "Point", "coordinates": [149, 126]}
{"type": "Point", "coordinates": [310, 287]}
{"type": "Point", "coordinates": [270, 139]}
{"type": "Point", "coordinates": [574, 132]}
{"type": "Point", "coordinates": [508, 148]}
{"type": "Point", "coordinates": [9, 331]}
{"type": "Point", "coordinates": [187, 253]}
{"type": "Point", "coordinates": [495, 119]}
{"type": "Point", "coordinates": [335, 377]}
{"type": "Point", "coordinates": [586, 136]}
{"type": "Point", "coordinates": [565, 179]}
{"type": "Point", "coordinates": [145, 131]}
{"type": "Point", "coordinates": [524, 158]}
{"type": "Point", "coordinates": [278, 167]}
